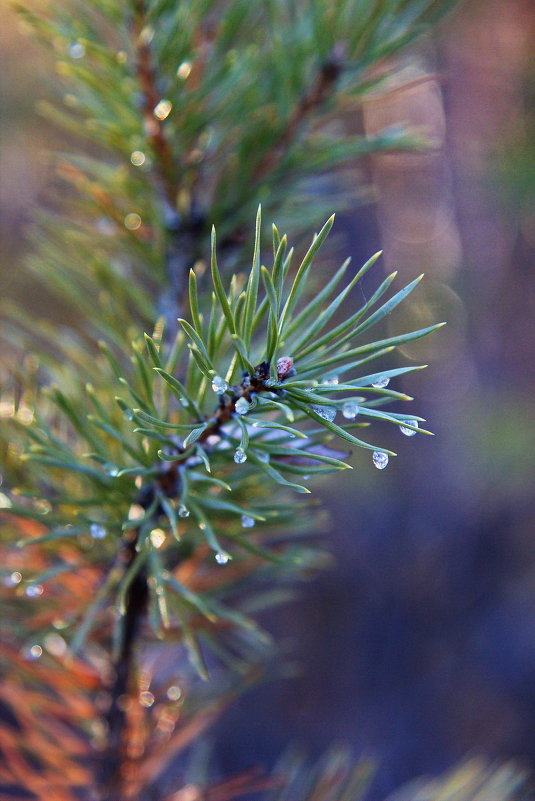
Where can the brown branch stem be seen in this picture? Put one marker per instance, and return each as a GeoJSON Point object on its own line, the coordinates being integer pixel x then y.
{"type": "Point", "coordinates": [316, 95]}
{"type": "Point", "coordinates": [166, 168]}
{"type": "Point", "coordinates": [183, 239]}
{"type": "Point", "coordinates": [182, 233]}
{"type": "Point", "coordinates": [180, 255]}
{"type": "Point", "coordinates": [226, 410]}
{"type": "Point", "coordinates": [112, 777]}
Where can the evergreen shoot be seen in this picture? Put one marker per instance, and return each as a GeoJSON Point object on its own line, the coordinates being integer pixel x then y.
{"type": "Point", "coordinates": [159, 446]}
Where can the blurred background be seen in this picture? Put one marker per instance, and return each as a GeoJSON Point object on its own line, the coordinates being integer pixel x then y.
{"type": "Point", "coordinates": [418, 646]}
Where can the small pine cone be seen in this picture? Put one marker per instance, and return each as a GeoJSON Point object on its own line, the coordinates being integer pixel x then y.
{"type": "Point", "coordinates": [285, 367]}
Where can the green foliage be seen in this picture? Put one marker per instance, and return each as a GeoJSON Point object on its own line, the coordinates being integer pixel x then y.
{"type": "Point", "coordinates": [182, 462]}
{"type": "Point", "coordinates": [475, 779]}
{"type": "Point", "coordinates": [150, 478]}
{"type": "Point", "coordinates": [242, 138]}
{"type": "Point", "coordinates": [148, 183]}
{"type": "Point", "coordinates": [336, 777]}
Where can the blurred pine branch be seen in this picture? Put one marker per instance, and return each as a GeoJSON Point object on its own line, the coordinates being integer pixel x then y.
{"type": "Point", "coordinates": [153, 484]}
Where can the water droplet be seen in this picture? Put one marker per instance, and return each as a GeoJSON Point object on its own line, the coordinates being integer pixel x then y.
{"type": "Point", "coordinates": [380, 459]}
{"type": "Point", "coordinates": [382, 382]}
{"type": "Point", "coordinates": [350, 409]}
{"type": "Point", "coordinates": [5, 502]}
{"type": "Point", "coordinates": [247, 522]}
{"type": "Point", "coordinates": [409, 432]}
{"type": "Point", "coordinates": [132, 221]}
{"type": "Point", "coordinates": [33, 652]}
{"type": "Point", "coordinates": [157, 537]}
{"type": "Point", "coordinates": [7, 409]}
{"type": "Point", "coordinates": [222, 558]}
{"type": "Point", "coordinates": [110, 469]}
{"type": "Point", "coordinates": [174, 692]}
{"type": "Point", "coordinates": [242, 406]}
{"type": "Point", "coordinates": [195, 156]}
{"type": "Point", "coordinates": [162, 109]}
{"type": "Point", "coordinates": [55, 644]}
{"type": "Point", "coordinates": [146, 699]}
{"type": "Point", "coordinates": [219, 385]}
{"type": "Point", "coordinates": [12, 580]}
{"type": "Point", "coordinates": [128, 414]}
{"type": "Point", "coordinates": [97, 531]}
{"type": "Point", "coordinates": [327, 412]}
{"type": "Point", "coordinates": [146, 35]}
{"type": "Point", "coordinates": [240, 456]}
{"type": "Point", "coordinates": [184, 70]}
{"type": "Point", "coordinates": [331, 381]}
{"type": "Point", "coordinates": [77, 50]}
{"type": "Point", "coordinates": [24, 415]}
{"type": "Point", "coordinates": [34, 590]}
{"type": "Point", "coordinates": [183, 511]}
{"type": "Point", "coordinates": [136, 512]}
{"type": "Point", "coordinates": [71, 100]}
{"type": "Point", "coordinates": [137, 158]}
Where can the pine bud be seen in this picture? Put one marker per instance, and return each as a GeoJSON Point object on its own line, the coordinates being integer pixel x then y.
{"type": "Point", "coordinates": [285, 367]}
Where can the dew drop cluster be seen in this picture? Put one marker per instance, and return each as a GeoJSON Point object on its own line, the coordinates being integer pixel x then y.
{"type": "Point", "coordinates": [242, 406]}
{"type": "Point", "coordinates": [111, 469]}
{"type": "Point", "coordinates": [380, 459]}
{"type": "Point", "coordinates": [34, 590]}
{"type": "Point", "coordinates": [240, 456]}
{"type": "Point", "coordinates": [381, 382]}
{"type": "Point", "coordinates": [219, 385]}
{"type": "Point", "coordinates": [97, 531]}
{"type": "Point", "coordinates": [327, 412]}
{"type": "Point", "coordinates": [350, 409]}
{"type": "Point", "coordinates": [409, 432]}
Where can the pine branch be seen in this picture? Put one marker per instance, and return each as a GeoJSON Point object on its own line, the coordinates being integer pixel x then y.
{"type": "Point", "coordinates": [184, 243]}
{"type": "Point", "coordinates": [183, 233]}
{"type": "Point", "coordinates": [112, 766]}
{"type": "Point", "coordinates": [179, 258]}
{"type": "Point", "coordinates": [166, 168]}
{"type": "Point", "coordinates": [320, 90]}
{"type": "Point", "coordinates": [270, 353]}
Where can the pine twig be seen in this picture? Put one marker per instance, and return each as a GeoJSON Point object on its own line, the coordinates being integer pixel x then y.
{"type": "Point", "coordinates": [317, 94]}
{"type": "Point", "coordinates": [166, 168]}
{"type": "Point", "coordinates": [182, 232]}
{"type": "Point", "coordinates": [112, 765]}
{"type": "Point", "coordinates": [179, 258]}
